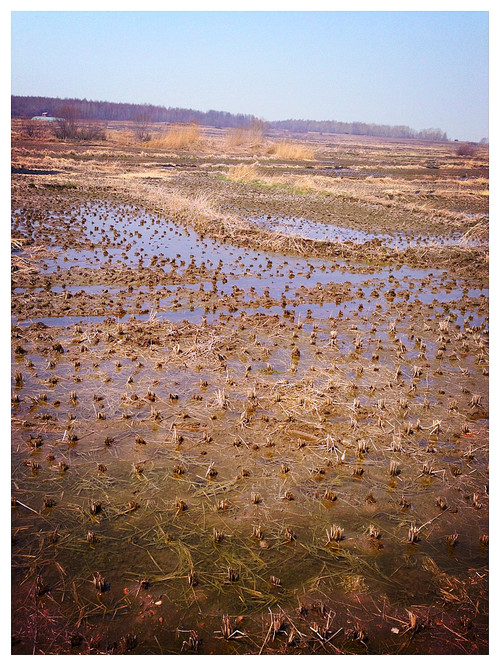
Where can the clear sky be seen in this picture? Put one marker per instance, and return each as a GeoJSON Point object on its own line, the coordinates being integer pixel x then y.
{"type": "Point", "coordinates": [422, 69]}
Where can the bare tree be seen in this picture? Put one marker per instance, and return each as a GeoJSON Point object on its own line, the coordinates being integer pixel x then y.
{"type": "Point", "coordinates": [30, 128]}
{"type": "Point", "coordinates": [66, 127]}
{"type": "Point", "coordinates": [142, 129]}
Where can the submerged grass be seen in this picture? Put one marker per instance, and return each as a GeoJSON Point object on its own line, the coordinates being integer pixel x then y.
{"type": "Point", "coordinates": [224, 466]}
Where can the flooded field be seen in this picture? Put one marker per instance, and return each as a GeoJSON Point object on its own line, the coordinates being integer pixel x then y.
{"type": "Point", "coordinates": [246, 419]}
{"type": "Point", "coordinates": [335, 234]}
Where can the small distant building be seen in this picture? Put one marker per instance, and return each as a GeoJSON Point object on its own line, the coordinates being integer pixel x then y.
{"type": "Point", "coordinates": [45, 116]}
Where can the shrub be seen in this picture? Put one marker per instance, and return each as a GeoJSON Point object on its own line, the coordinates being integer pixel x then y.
{"type": "Point", "coordinates": [69, 129]}
{"type": "Point", "coordinates": [466, 150]}
{"type": "Point", "coordinates": [91, 132]}
{"type": "Point", "coordinates": [30, 128]}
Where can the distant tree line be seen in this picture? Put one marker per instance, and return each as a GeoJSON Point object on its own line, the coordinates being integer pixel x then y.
{"type": "Point", "coordinates": [367, 129]}
{"type": "Point", "coordinates": [29, 106]}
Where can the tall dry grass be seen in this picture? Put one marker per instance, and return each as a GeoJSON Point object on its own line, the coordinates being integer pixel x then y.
{"type": "Point", "coordinates": [243, 173]}
{"type": "Point", "coordinates": [253, 136]}
{"type": "Point", "coordinates": [201, 210]}
{"type": "Point", "coordinates": [478, 234]}
{"type": "Point", "coordinates": [286, 150]}
{"type": "Point", "coordinates": [178, 137]}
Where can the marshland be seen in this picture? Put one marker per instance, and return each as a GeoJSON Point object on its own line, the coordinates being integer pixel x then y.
{"type": "Point", "coordinates": [249, 393]}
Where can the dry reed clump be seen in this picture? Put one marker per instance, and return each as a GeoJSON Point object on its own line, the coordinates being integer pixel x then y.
{"type": "Point", "coordinates": [179, 136]}
{"type": "Point", "coordinates": [243, 173]}
{"type": "Point", "coordinates": [478, 234]}
{"type": "Point", "coordinates": [201, 208]}
{"type": "Point", "coordinates": [291, 151]}
{"type": "Point", "coordinates": [251, 136]}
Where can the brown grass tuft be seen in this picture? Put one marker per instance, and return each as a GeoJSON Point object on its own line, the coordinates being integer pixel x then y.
{"type": "Point", "coordinates": [243, 173]}
{"type": "Point", "coordinates": [179, 136]}
{"type": "Point", "coordinates": [291, 151]}
{"type": "Point", "coordinates": [253, 135]}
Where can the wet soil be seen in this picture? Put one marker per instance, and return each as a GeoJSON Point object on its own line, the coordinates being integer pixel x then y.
{"type": "Point", "coordinates": [219, 447]}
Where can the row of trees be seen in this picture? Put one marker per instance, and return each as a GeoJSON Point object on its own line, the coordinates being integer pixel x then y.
{"type": "Point", "coordinates": [27, 106]}
{"type": "Point", "coordinates": [367, 129]}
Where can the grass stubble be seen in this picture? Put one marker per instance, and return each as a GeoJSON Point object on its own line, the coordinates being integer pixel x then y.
{"type": "Point", "coordinates": [297, 458]}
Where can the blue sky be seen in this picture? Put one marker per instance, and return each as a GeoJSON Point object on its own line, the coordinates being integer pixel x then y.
{"type": "Point", "coordinates": [422, 69]}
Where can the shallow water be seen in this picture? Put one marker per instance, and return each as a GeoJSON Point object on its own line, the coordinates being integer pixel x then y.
{"type": "Point", "coordinates": [319, 231]}
{"type": "Point", "coordinates": [139, 237]}
{"type": "Point", "coordinates": [195, 386]}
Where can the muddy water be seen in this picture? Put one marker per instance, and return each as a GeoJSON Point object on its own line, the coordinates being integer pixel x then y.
{"type": "Point", "coordinates": [199, 447]}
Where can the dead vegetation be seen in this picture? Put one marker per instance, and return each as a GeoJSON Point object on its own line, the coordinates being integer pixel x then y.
{"type": "Point", "coordinates": [286, 150]}
{"type": "Point", "coordinates": [178, 137]}
{"type": "Point", "coordinates": [211, 420]}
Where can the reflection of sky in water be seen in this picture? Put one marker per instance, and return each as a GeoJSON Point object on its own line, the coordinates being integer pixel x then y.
{"type": "Point", "coordinates": [319, 231]}
{"type": "Point", "coordinates": [129, 236]}
{"type": "Point", "coordinates": [300, 312]}
{"type": "Point", "coordinates": [160, 238]}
